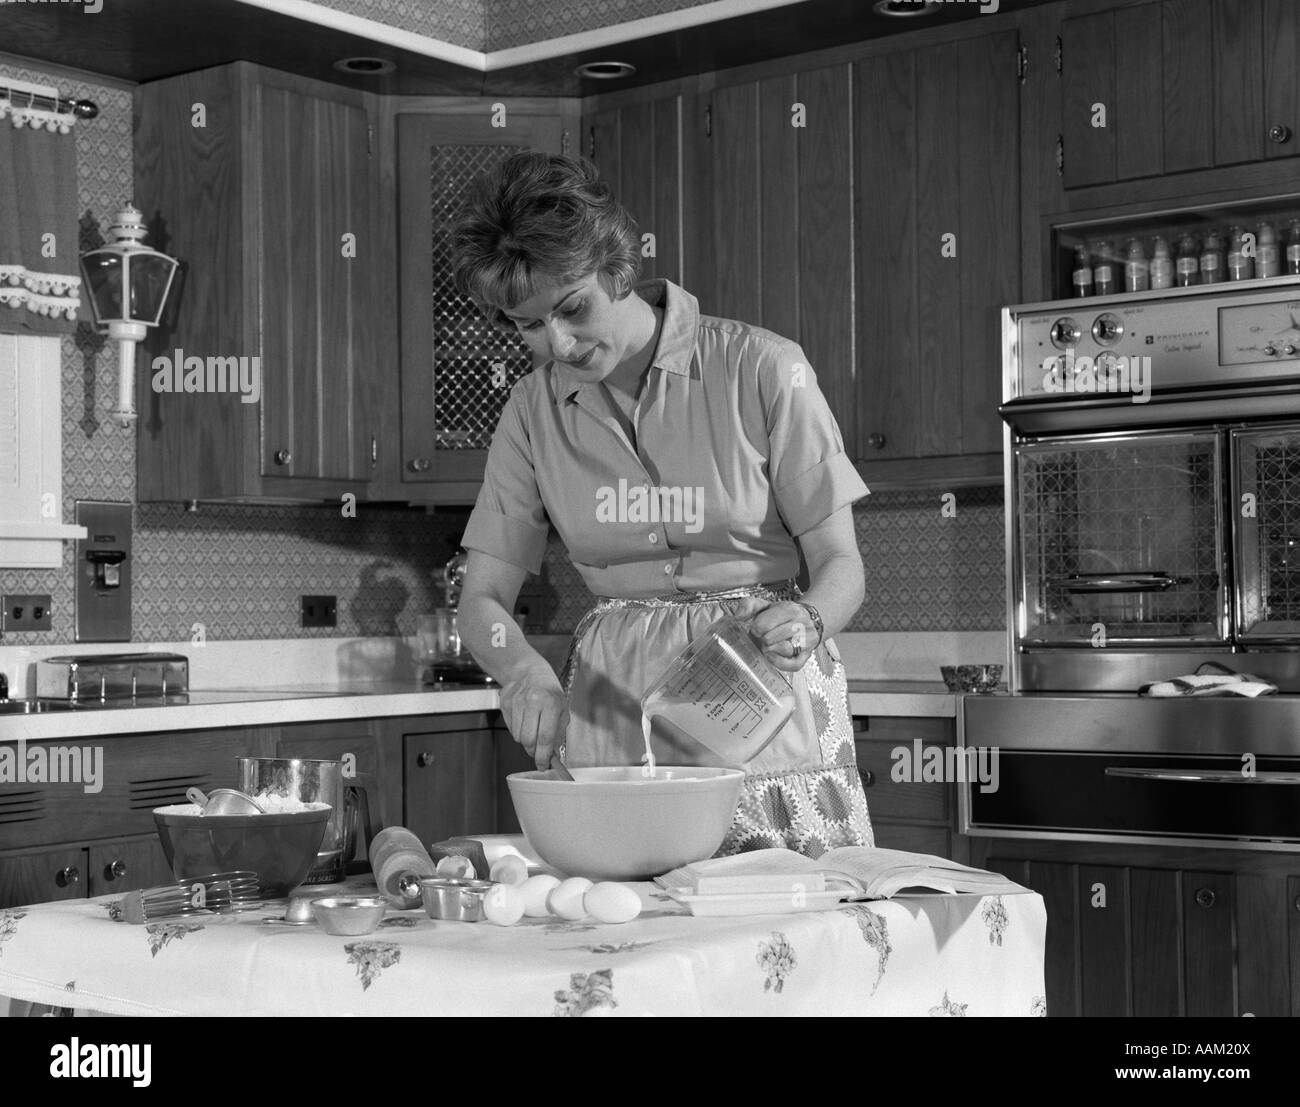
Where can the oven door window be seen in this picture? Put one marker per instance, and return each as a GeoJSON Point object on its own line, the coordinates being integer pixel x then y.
{"type": "Point", "coordinates": [1267, 528]}
{"type": "Point", "coordinates": [1120, 540]}
{"type": "Point", "coordinates": [1142, 794]}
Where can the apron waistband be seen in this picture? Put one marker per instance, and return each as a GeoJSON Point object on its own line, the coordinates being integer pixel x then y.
{"type": "Point", "coordinates": [777, 591]}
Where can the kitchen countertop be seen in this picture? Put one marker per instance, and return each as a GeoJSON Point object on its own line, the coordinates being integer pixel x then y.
{"type": "Point", "coordinates": [305, 703]}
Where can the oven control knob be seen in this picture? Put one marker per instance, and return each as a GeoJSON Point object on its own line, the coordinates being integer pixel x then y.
{"type": "Point", "coordinates": [1107, 329]}
{"type": "Point", "coordinates": [1065, 333]}
{"type": "Point", "coordinates": [1107, 368]}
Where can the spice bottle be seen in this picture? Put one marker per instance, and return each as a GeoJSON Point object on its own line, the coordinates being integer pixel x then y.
{"type": "Point", "coordinates": [1137, 274]}
{"type": "Point", "coordinates": [1162, 266]}
{"type": "Point", "coordinates": [1293, 248]}
{"type": "Point", "coordinates": [398, 860]}
{"type": "Point", "coordinates": [1188, 265]}
{"type": "Point", "coordinates": [1213, 268]}
{"type": "Point", "coordinates": [1268, 262]}
{"type": "Point", "coordinates": [1103, 269]}
{"type": "Point", "coordinates": [1081, 275]}
{"type": "Point", "coordinates": [1241, 265]}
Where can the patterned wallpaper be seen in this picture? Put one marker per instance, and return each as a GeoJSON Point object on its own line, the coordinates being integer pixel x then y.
{"type": "Point", "coordinates": [497, 24]}
{"type": "Point", "coordinates": [239, 570]}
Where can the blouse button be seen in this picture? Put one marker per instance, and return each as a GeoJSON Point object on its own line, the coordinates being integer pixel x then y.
{"type": "Point", "coordinates": [654, 537]}
{"type": "Point", "coordinates": [668, 570]}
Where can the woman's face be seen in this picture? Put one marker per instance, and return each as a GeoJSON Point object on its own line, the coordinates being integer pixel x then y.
{"type": "Point", "coordinates": [576, 323]}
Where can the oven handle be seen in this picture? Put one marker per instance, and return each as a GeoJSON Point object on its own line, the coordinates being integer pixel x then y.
{"type": "Point", "coordinates": [1129, 582]}
{"type": "Point", "coordinates": [1211, 776]}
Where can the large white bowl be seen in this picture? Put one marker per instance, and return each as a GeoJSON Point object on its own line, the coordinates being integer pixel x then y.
{"type": "Point", "coordinates": [616, 824]}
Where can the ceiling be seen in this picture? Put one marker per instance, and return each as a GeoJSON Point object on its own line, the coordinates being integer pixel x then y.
{"type": "Point", "coordinates": [144, 40]}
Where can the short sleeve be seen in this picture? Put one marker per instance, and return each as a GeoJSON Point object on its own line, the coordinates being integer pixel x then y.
{"type": "Point", "coordinates": [812, 477]}
{"type": "Point", "coordinates": [509, 520]}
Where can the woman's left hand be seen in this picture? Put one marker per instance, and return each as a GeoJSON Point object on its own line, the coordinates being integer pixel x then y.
{"type": "Point", "coordinates": [787, 632]}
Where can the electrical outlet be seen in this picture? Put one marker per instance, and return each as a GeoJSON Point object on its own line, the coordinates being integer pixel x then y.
{"type": "Point", "coordinates": [26, 613]}
{"type": "Point", "coordinates": [319, 611]}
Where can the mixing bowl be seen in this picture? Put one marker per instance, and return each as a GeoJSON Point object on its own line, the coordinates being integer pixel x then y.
{"type": "Point", "coordinates": [971, 678]}
{"type": "Point", "coordinates": [281, 849]}
{"type": "Point", "coordinates": [616, 824]}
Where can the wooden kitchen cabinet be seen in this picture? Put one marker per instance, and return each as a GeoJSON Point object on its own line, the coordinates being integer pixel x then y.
{"type": "Point", "coordinates": [1185, 85]}
{"type": "Point", "coordinates": [907, 811]}
{"type": "Point", "coordinates": [264, 186]}
{"type": "Point", "coordinates": [456, 370]}
{"type": "Point", "coordinates": [449, 766]}
{"type": "Point", "coordinates": [1214, 934]}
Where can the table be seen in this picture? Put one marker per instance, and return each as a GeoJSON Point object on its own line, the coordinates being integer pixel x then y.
{"type": "Point", "coordinates": [916, 955]}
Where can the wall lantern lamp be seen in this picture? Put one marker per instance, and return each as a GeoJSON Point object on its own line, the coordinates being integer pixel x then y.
{"type": "Point", "coordinates": [128, 284]}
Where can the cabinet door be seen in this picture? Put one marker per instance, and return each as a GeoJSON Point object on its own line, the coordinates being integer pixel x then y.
{"type": "Point", "coordinates": [937, 218]}
{"type": "Point", "coordinates": [42, 875]}
{"type": "Point", "coordinates": [451, 785]}
{"type": "Point", "coordinates": [124, 866]}
{"type": "Point", "coordinates": [511, 757]}
{"type": "Point", "coordinates": [456, 369]}
{"type": "Point", "coordinates": [317, 251]}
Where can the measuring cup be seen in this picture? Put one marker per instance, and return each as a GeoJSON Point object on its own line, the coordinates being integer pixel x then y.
{"type": "Point", "coordinates": [722, 692]}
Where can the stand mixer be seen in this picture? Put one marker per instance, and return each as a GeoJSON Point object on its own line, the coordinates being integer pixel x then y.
{"type": "Point", "coordinates": [440, 642]}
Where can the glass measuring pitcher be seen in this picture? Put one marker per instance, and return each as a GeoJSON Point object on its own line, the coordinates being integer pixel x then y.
{"type": "Point", "coordinates": [723, 693]}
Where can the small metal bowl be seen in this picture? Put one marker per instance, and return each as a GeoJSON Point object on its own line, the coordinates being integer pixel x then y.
{"type": "Point", "coordinates": [349, 915]}
{"type": "Point", "coordinates": [451, 899]}
{"type": "Point", "coordinates": [971, 678]}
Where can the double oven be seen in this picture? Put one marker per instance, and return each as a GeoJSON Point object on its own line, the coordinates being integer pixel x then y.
{"type": "Point", "coordinates": [1152, 470]}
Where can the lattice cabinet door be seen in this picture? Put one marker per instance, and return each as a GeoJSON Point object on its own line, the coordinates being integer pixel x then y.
{"type": "Point", "coordinates": [457, 370]}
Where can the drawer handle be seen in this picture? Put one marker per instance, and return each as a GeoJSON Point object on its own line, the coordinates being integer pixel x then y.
{"type": "Point", "coordinates": [1279, 133]}
{"type": "Point", "coordinates": [283, 457]}
{"type": "Point", "coordinates": [1205, 897]}
{"type": "Point", "coordinates": [876, 441]}
{"type": "Point", "coordinates": [421, 464]}
{"type": "Point", "coordinates": [424, 760]}
{"type": "Point", "coordinates": [868, 777]}
{"type": "Point", "coordinates": [116, 870]}
{"type": "Point", "coordinates": [68, 876]}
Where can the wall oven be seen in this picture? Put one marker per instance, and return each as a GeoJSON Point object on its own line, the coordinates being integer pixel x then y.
{"type": "Point", "coordinates": [1152, 474]}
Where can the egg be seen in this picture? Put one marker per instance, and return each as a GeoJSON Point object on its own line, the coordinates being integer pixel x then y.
{"type": "Point", "coordinates": [510, 869]}
{"type": "Point", "coordinates": [566, 898]}
{"type": "Point", "coordinates": [503, 905]}
{"type": "Point", "coordinates": [610, 902]}
{"type": "Point", "coordinates": [460, 867]}
{"type": "Point", "coordinates": [536, 889]}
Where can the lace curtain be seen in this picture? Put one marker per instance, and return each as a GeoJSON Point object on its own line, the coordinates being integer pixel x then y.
{"type": "Point", "coordinates": [40, 286]}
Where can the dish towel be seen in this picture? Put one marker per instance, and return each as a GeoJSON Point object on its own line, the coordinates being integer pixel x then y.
{"type": "Point", "coordinates": [1221, 682]}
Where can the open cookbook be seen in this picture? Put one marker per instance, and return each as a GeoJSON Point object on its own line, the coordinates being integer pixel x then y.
{"type": "Point", "coordinates": [782, 880]}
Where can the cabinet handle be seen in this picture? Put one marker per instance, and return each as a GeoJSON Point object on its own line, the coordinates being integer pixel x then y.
{"type": "Point", "coordinates": [1279, 133]}
{"type": "Point", "coordinates": [283, 457]}
{"type": "Point", "coordinates": [421, 464]}
{"type": "Point", "coordinates": [65, 878]}
{"type": "Point", "coordinates": [868, 777]}
{"type": "Point", "coordinates": [374, 450]}
{"type": "Point", "coordinates": [424, 760]}
{"type": "Point", "coordinates": [1204, 897]}
{"type": "Point", "coordinates": [876, 441]}
{"type": "Point", "coordinates": [115, 871]}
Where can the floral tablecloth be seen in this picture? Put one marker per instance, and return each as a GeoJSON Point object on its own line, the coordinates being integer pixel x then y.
{"type": "Point", "coordinates": [917, 955]}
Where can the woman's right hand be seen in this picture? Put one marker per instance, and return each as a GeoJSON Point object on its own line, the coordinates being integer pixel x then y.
{"type": "Point", "coordinates": [537, 712]}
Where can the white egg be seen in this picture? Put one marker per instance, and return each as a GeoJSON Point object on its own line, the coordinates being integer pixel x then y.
{"type": "Point", "coordinates": [610, 902]}
{"type": "Point", "coordinates": [460, 867]}
{"type": "Point", "coordinates": [566, 898]}
{"type": "Point", "coordinates": [503, 905]}
{"type": "Point", "coordinates": [536, 889]}
{"type": "Point", "coordinates": [510, 869]}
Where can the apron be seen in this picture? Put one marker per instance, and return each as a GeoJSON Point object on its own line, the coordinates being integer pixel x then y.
{"type": "Point", "coordinates": [802, 792]}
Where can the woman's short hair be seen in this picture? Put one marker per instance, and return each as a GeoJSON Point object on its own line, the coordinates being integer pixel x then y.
{"type": "Point", "coordinates": [541, 216]}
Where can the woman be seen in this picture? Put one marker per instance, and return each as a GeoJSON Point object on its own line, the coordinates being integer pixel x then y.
{"type": "Point", "coordinates": [679, 457]}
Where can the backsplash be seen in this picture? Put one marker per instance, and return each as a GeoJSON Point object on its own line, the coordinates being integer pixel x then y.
{"type": "Point", "coordinates": [239, 570]}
